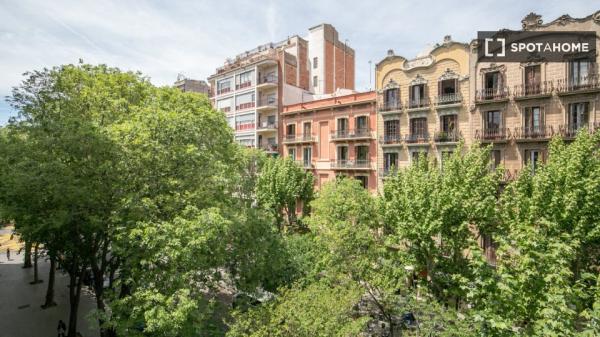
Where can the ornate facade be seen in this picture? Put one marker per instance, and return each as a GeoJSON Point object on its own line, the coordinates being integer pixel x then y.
{"type": "Point", "coordinates": [422, 105]}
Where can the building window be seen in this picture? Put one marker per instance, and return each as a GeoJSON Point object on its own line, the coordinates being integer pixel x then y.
{"type": "Point", "coordinates": [415, 156]}
{"type": "Point", "coordinates": [315, 81]}
{"type": "Point", "coordinates": [496, 159]}
{"type": "Point", "coordinates": [448, 123]}
{"type": "Point", "coordinates": [417, 96]}
{"type": "Point", "coordinates": [418, 128]}
{"type": "Point", "coordinates": [290, 130]}
{"type": "Point", "coordinates": [307, 156]}
{"type": "Point", "coordinates": [492, 81]}
{"type": "Point", "coordinates": [533, 79]}
{"type": "Point", "coordinates": [223, 86]}
{"type": "Point", "coordinates": [492, 123]}
{"type": "Point", "coordinates": [391, 99]}
{"type": "Point", "coordinates": [342, 154]}
{"type": "Point", "coordinates": [391, 131]}
{"type": "Point", "coordinates": [292, 153]}
{"type": "Point", "coordinates": [390, 162]}
{"type": "Point", "coordinates": [578, 116]}
{"type": "Point", "coordinates": [364, 181]}
{"type": "Point", "coordinates": [315, 63]}
{"type": "Point", "coordinates": [307, 129]}
{"type": "Point", "coordinates": [579, 71]}
{"type": "Point", "coordinates": [362, 155]}
{"type": "Point", "coordinates": [362, 124]}
{"type": "Point", "coordinates": [534, 158]}
{"type": "Point", "coordinates": [447, 91]}
{"type": "Point", "coordinates": [244, 80]}
{"type": "Point", "coordinates": [342, 127]}
{"type": "Point", "coordinates": [532, 119]}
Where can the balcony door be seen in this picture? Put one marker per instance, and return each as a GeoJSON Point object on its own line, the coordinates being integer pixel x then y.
{"type": "Point", "coordinates": [391, 130]}
{"type": "Point", "coordinates": [534, 158]}
{"type": "Point", "coordinates": [493, 121]}
{"type": "Point", "coordinates": [533, 79]}
{"type": "Point", "coordinates": [342, 154]}
{"type": "Point", "coordinates": [447, 91]}
{"type": "Point", "coordinates": [362, 155]}
{"type": "Point", "coordinates": [579, 71]}
{"type": "Point", "coordinates": [448, 124]}
{"type": "Point", "coordinates": [578, 115]}
{"type": "Point", "coordinates": [290, 130]}
{"type": "Point", "coordinates": [307, 156]}
{"type": "Point", "coordinates": [362, 124]}
{"type": "Point", "coordinates": [417, 95]}
{"type": "Point", "coordinates": [391, 98]}
{"type": "Point", "coordinates": [390, 161]}
{"type": "Point", "coordinates": [532, 119]}
{"type": "Point", "coordinates": [307, 130]}
{"type": "Point", "coordinates": [342, 127]}
{"type": "Point", "coordinates": [418, 127]}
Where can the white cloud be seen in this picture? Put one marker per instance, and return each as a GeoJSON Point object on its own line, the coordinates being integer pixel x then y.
{"type": "Point", "coordinates": [162, 39]}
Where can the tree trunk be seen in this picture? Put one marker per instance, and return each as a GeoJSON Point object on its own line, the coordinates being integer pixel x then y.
{"type": "Point", "coordinates": [27, 259]}
{"type": "Point", "coordinates": [36, 278]}
{"type": "Point", "coordinates": [74, 294]}
{"type": "Point", "coordinates": [50, 291]}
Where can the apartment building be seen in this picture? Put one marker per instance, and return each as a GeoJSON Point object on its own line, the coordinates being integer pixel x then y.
{"type": "Point", "coordinates": [519, 107]}
{"type": "Point", "coordinates": [422, 105]}
{"type": "Point", "coordinates": [189, 85]}
{"type": "Point", "coordinates": [252, 88]}
{"type": "Point", "coordinates": [334, 135]}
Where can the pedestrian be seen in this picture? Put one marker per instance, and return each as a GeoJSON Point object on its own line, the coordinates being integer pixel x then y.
{"type": "Point", "coordinates": [62, 328]}
{"type": "Point", "coordinates": [20, 250]}
{"type": "Point", "coordinates": [8, 254]}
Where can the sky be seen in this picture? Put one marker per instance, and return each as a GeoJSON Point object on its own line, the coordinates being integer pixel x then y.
{"type": "Point", "coordinates": [164, 38]}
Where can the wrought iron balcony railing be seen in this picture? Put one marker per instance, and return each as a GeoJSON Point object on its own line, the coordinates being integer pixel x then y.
{"type": "Point", "coordinates": [448, 99]}
{"type": "Point", "coordinates": [272, 79]}
{"type": "Point", "coordinates": [351, 164]}
{"type": "Point", "coordinates": [268, 102]}
{"type": "Point", "coordinates": [447, 136]}
{"type": "Point", "coordinates": [300, 138]}
{"type": "Point", "coordinates": [419, 103]}
{"type": "Point", "coordinates": [266, 125]}
{"type": "Point", "coordinates": [417, 138]}
{"type": "Point", "coordinates": [534, 132]}
{"type": "Point", "coordinates": [351, 134]}
{"type": "Point", "coordinates": [390, 106]}
{"type": "Point", "coordinates": [491, 94]}
{"type": "Point", "coordinates": [498, 134]}
{"type": "Point", "coordinates": [269, 147]}
{"type": "Point", "coordinates": [533, 89]}
{"type": "Point", "coordinates": [573, 85]}
{"type": "Point", "coordinates": [390, 139]}
{"type": "Point", "coordinates": [305, 163]}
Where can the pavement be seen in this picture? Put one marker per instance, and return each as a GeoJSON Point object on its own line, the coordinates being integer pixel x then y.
{"type": "Point", "coordinates": [20, 311]}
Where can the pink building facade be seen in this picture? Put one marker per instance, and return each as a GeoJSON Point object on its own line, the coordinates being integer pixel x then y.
{"type": "Point", "coordinates": [334, 136]}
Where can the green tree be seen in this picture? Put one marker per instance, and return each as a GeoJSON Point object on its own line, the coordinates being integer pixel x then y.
{"type": "Point", "coordinates": [281, 187]}
{"type": "Point", "coordinates": [546, 276]}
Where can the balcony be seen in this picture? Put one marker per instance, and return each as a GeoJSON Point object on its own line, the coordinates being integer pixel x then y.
{"type": "Point", "coordinates": [528, 133]}
{"type": "Point", "coordinates": [419, 104]}
{"type": "Point", "coordinates": [245, 106]}
{"type": "Point", "coordinates": [533, 90]}
{"type": "Point", "coordinates": [388, 171]}
{"type": "Point", "coordinates": [585, 84]}
{"type": "Point", "coordinates": [299, 139]}
{"type": "Point", "coordinates": [267, 103]}
{"type": "Point", "coordinates": [417, 139]}
{"type": "Point", "coordinates": [243, 85]}
{"type": "Point", "coordinates": [267, 81]}
{"type": "Point", "coordinates": [346, 164]}
{"type": "Point", "coordinates": [447, 136]}
{"type": "Point", "coordinates": [570, 131]}
{"type": "Point", "coordinates": [363, 133]}
{"type": "Point", "coordinates": [386, 108]}
{"type": "Point", "coordinates": [307, 164]}
{"type": "Point", "coordinates": [390, 140]}
{"type": "Point", "coordinates": [492, 135]}
{"type": "Point", "coordinates": [266, 126]}
{"type": "Point", "coordinates": [268, 147]}
{"type": "Point", "coordinates": [225, 109]}
{"type": "Point", "coordinates": [491, 95]}
{"type": "Point", "coordinates": [448, 100]}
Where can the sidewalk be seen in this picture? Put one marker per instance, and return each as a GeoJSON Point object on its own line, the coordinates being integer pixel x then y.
{"type": "Point", "coordinates": [20, 312]}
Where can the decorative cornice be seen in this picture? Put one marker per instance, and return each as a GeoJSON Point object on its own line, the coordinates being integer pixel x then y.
{"type": "Point", "coordinates": [493, 67]}
{"type": "Point", "coordinates": [533, 20]}
{"type": "Point", "coordinates": [449, 75]}
{"type": "Point", "coordinates": [418, 80]}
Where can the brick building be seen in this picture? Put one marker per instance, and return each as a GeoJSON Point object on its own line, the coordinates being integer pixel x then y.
{"type": "Point", "coordinates": [252, 88]}
{"type": "Point", "coordinates": [334, 135]}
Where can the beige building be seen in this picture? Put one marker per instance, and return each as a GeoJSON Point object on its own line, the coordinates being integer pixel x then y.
{"type": "Point", "coordinates": [422, 105]}
{"type": "Point", "coordinates": [252, 88]}
{"type": "Point", "coordinates": [189, 85]}
{"type": "Point", "coordinates": [519, 107]}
